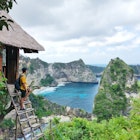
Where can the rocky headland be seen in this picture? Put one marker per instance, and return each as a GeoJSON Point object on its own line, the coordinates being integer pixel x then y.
{"type": "Point", "coordinates": [53, 73]}
{"type": "Point", "coordinates": [117, 84]}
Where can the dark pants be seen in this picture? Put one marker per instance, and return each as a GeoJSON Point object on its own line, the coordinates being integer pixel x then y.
{"type": "Point", "coordinates": [23, 93]}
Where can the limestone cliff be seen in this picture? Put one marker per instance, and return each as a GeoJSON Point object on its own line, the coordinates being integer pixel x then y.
{"type": "Point", "coordinates": [75, 71]}
{"type": "Point", "coordinates": [117, 80]}
{"type": "Point", "coordinates": [118, 72]}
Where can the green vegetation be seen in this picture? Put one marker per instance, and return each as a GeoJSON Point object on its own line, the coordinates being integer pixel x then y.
{"type": "Point", "coordinates": [47, 81]}
{"type": "Point", "coordinates": [44, 108]}
{"type": "Point", "coordinates": [133, 88]}
{"type": "Point", "coordinates": [107, 106]}
{"type": "Point", "coordinates": [59, 65]}
{"type": "Point", "coordinates": [119, 128]}
{"type": "Point", "coordinates": [138, 82]}
{"type": "Point", "coordinates": [7, 124]}
{"type": "Point", "coordinates": [39, 104]}
{"type": "Point", "coordinates": [4, 98]}
{"type": "Point", "coordinates": [45, 64]}
{"type": "Point", "coordinates": [35, 64]}
{"type": "Point", "coordinates": [111, 100]}
{"type": "Point", "coordinates": [6, 5]}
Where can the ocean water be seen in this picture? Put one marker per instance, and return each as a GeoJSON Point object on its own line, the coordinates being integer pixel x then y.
{"type": "Point", "coordinates": [75, 95]}
{"type": "Point", "coordinates": [138, 78]}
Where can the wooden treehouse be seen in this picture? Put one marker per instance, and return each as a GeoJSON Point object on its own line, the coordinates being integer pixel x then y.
{"type": "Point", "coordinates": [11, 41]}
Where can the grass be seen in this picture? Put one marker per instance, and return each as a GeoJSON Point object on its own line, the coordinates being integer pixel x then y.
{"type": "Point", "coordinates": [138, 84]}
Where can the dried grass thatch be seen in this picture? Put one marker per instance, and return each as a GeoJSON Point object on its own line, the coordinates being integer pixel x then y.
{"type": "Point", "coordinates": [17, 37]}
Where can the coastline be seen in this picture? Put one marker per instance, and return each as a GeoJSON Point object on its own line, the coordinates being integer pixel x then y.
{"type": "Point", "coordinates": [48, 88]}
{"type": "Point", "coordinates": [39, 90]}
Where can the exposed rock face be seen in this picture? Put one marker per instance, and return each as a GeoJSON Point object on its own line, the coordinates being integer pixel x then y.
{"type": "Point", "coordinates": [118, 72]}
{"type": "Point", "coordinates": [117, 80]}
{"type": "Point", "coordinates": [75, 71]}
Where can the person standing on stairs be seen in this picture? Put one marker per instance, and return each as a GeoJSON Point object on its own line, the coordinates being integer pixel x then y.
{"type": "Point", "coordinates": [25, 90]}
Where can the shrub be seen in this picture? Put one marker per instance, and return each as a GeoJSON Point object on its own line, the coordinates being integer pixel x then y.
{"type": "Point", "coordinates": [47, 81]}
{"type": "Point", "coordinates": [119, 128]}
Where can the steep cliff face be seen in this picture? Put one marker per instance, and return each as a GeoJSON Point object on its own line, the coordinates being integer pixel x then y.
{"type": "Point", "coordinates": [75, 71]}
{"type": "Point", "coordinates": [117, 79]}
{"type": "Point", "coordinates": [118, 72]}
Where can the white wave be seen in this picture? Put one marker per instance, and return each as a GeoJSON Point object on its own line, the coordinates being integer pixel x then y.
{"type": "Point", "coordinates": [62, 84]}
{"type": "Point", "coordinates": [44, 89]}
{"type": "Point", "coordinates": [48, 89]}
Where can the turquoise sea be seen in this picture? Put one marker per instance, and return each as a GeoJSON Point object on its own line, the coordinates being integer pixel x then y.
{"type": "Point", "coordinates": [75, 95]}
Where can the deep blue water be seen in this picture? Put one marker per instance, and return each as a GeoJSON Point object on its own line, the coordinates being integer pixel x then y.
{"type": "Point", "coordinates": [138, 78]}
{"type": "Point", "coordinates": [75, 95]}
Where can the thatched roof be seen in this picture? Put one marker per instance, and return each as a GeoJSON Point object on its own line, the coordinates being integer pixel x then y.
{"type": "Point", "coordinates": [17, 37]}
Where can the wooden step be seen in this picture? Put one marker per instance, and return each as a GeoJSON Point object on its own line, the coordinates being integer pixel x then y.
{"type": "Point", "coordinates": [25, 103]}
{"type": "Point", "coordinates": [26, 130]}
{"type": "Point", "coordinates": [29, 118]}
{"type": "Point", "coordinates": [35, 125]}
{"type": "Point", "coordinates": [23, 120]}
{"type": "Point", "coordinates": [29, 109]}
{"type": "Point", "coordinates": [20, 112]}
{"type": "Point", "coordinates": [13, 94]}
{"type": "Point", "coordinates": [32, 117]}
{"type": "Point", "coordinates": [38, 136]}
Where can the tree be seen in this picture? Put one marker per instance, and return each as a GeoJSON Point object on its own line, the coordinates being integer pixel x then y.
{"type": "Point", "coordinates": [5, 5]}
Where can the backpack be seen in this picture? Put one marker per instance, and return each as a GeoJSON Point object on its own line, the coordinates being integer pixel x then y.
{"type": "Point", "coordinates": [17, 83]}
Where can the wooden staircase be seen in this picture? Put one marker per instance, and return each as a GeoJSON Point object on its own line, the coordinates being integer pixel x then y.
{"type": "Point", "coordinates": [26, 119]}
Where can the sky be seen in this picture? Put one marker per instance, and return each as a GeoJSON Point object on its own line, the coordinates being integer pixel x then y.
{"type": "Point", "coordinates": [95, 31]}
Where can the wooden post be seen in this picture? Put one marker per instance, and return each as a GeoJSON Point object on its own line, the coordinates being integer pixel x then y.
{"type": "Point", "coordinates": [51, 134]}
{"type": "Point", "coordinates": [0, 61]}
{"type": "Point", "coordinates": [12, 63]}
{"type": "Point", "coordinates": [16, 128]}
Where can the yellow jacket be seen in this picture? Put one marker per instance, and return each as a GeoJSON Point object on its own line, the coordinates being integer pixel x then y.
{"type": "Point", "coordinates": [23, 81]}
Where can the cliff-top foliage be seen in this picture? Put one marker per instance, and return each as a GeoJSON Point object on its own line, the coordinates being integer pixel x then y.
{"type": "Point", "coordinates": [111, 99]}
{"type": "Point", "coordinates": [117, 71]}
{"type": "Point", "coordinates": [119, 128]}
{"type": "Point", "coordinates": [73, 64]}
{"type": "Point", "coordinates": [44, 108]}
{"type": "Point", "coordinates": [59, 65]}
{"type": "Point", "coordinates": [48, 80]}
